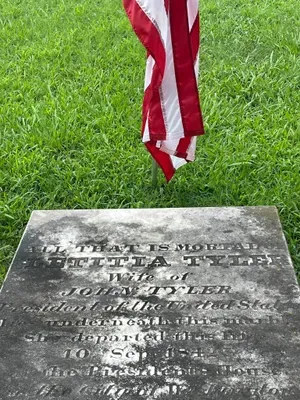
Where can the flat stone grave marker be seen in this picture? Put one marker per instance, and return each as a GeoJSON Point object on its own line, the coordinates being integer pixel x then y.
{"type": "Point", "coordinates": [194, 304]}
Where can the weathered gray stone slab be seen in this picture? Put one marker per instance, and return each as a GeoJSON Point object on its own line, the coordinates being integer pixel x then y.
{"type": "Point", "coordinates": [194, 304]}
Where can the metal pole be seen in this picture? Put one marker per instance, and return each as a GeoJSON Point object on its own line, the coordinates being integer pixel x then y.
{"type": "Point", "coordinates": [154, 173]}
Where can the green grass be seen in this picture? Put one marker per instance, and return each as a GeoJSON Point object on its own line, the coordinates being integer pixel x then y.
{"type": "Point", "coordinates": [71, 90]}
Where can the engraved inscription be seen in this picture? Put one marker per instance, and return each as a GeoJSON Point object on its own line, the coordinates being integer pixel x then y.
{"type": "Point", "coordinates": [200, 311]}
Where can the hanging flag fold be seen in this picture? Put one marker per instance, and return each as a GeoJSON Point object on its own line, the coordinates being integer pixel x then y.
{"type": "Point", "coordinates": [172, 119]}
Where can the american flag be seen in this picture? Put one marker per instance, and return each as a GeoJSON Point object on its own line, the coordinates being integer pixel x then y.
{"type": "Point", "coordinates": [172, 120]}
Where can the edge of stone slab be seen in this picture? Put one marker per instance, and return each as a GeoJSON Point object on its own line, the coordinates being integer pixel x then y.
{"type": "Point", "coordinates": [61, 210]}
{"type": "Point", "coordinates": [36, 213]}
{"type": "Point", "coordinates": [16, 251]}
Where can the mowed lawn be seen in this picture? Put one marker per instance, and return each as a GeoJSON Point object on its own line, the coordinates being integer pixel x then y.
{"type": "Point", "coordinates": [71, 87]}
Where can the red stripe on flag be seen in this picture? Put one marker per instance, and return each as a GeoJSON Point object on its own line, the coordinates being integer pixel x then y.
{"type": "Point", "coordinates": [146, 32]}
{"type": "Point", "coordinates": [152, 108]}
{"type": "Point", "coordinates": [183, 147]}
{"type": "Point", "coordinates": [184, 69]}
{"type": "Point", "coordinates": [162, 159]}
{"type": "Point", "coordinates": [157, 126]}
{"type": "Point", "coordinates": [167, 5]}
{"type": "Point", "coordinates": [150, 38]}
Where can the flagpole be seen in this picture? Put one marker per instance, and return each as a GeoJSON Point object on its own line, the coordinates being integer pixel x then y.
{"type": "Point", "coordinates": [154, 172]}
